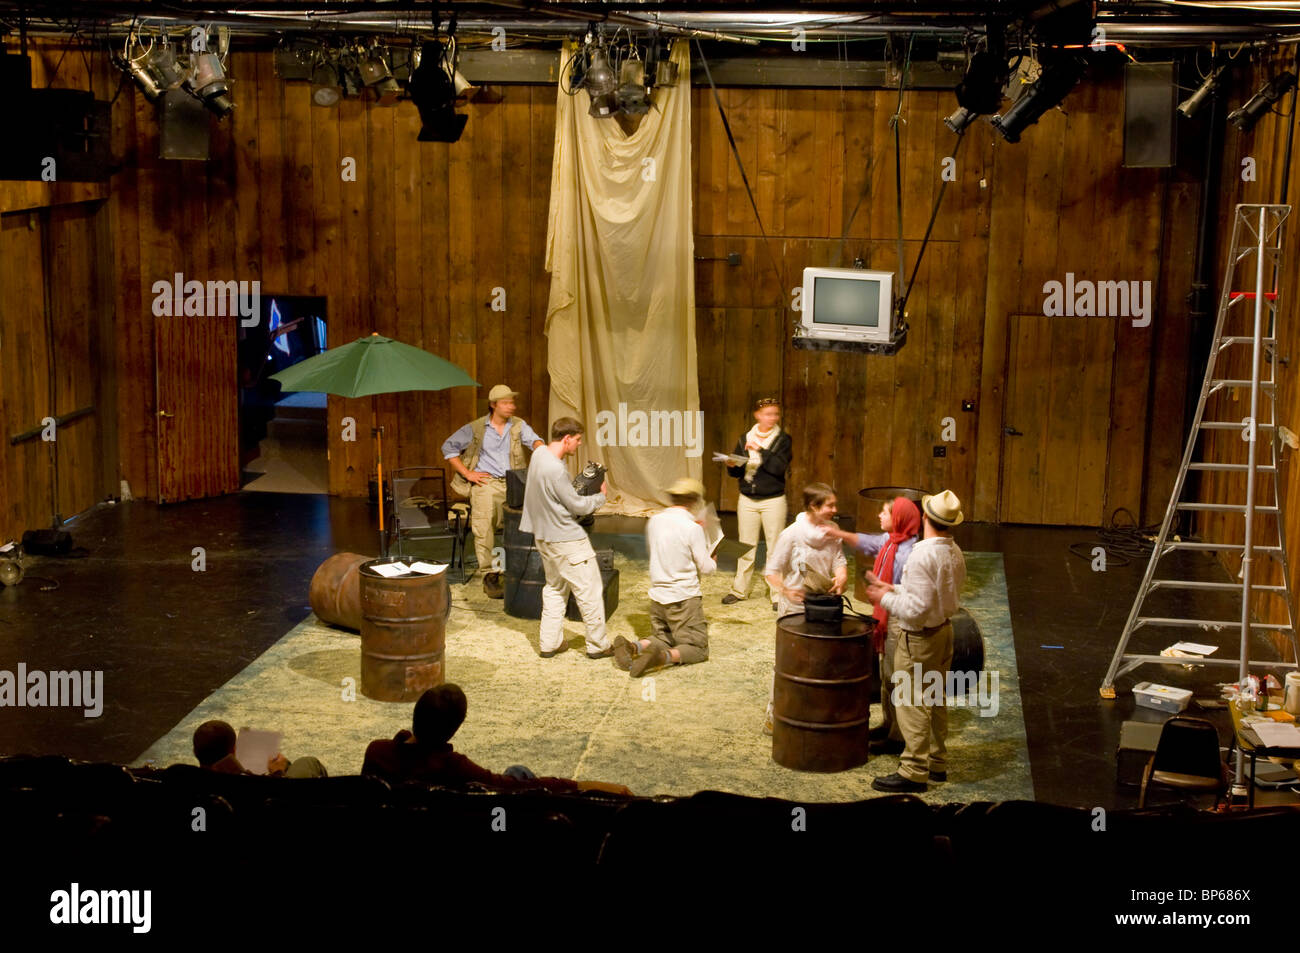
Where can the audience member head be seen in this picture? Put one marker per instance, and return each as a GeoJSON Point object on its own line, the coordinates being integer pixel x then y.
{"type": "Point", "coordinates": [819, 502]}
{"type": "Point", "coordinates": [213, 740]}
{"type": "Point", "coordinates": [438, 713]}
{"type": "Point", "coordinates": [768, 413]}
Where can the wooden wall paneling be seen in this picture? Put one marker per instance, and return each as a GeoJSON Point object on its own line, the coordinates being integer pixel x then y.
{"type": "Point", "coordinates": [379, 295]}
{"type": "Point", "coordinates": [921, 163]}
{"type": "Point", "coordinates": [464, 296]}
{"type": "Point", "coordinates": [491, 269]}
{"type": "Point", "coordinates": [105, 328]}
{"type": "Point", "coordinates": [326, 159]}
{"type": "Point", "coordinates": [860, 159]}
{"type": "Point", "coordinates": [710, 333]}
{"type": "Point", "coordinates": [881, 206]}
{"type": "Point", "coordinates": [300, 208]}
{"type": "Point", "coordinates": [1029, 367]}
{"type": "Point", "coordinates": [542, 115]}
{"type": "Point", "coordinates": [514, 241]}
{"type": "Point", "coordinates": [829, 143]}
{"type": "Point", "coordinates": [24, 390]}
{"type": "Point", "coordinates": [769, 175]}
{"type": "Point", "coordinates": [1006, 197]}
{"type": "Point", "coordinates": [742, 112]}
{"type": "Point", "coordinates": [350, 315]}
{"type": "Point", "coordinates": [414, 448]}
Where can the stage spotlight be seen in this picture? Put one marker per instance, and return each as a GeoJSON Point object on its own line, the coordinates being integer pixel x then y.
{"type": "Point", "coordinates": [980, 90]}
{"type": "Point", "coordinates": [959, 120]}
{"type": "Point", "coordinates": [1245, 117]}
{"type": "Point", "coordinates": [599, 80]}
{"type": "Point", "coordinates": [144, 79]}
{"type": "Point", "coordinates": [326, 88]}
{"type": "Point", "coordinates": [1052, 87]}
{"type": "Point", "coordinates": [164, 65]}
{"type": "Point", "coordinates": [378, 75]}
{"type": "Point", "coordinates": [434, 93]}
{"type": "Point", "coordinates": [1190, 106]}
{"type": "Point", "coordinates": [603, 107]}
{"type": "Point", "coordinates": [631, 95]}
{"type": "Point", "coordinates": [208, 83]}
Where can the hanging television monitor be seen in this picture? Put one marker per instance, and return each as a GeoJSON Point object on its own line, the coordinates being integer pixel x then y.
{"type": "Point", "coordinates": [847, 304]}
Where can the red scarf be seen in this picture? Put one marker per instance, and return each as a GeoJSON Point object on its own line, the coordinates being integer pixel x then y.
{"type": "Point", "coordinates": [907, 524]}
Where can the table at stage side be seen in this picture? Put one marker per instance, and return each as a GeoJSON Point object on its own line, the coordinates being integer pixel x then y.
{"type": "Point", "coordinates": [1249, 743]}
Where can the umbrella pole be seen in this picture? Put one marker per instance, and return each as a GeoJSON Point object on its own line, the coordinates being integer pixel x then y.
{"type": "Point", "coordinates": [379, 465]}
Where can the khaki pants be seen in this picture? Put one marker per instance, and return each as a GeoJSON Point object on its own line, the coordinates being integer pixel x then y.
{"type": "Point", "coordinates": [681, 625]}
{"type": "Point", "coordinates": [486, 501]}
{"type": "Point", "coordinates": [892, 634]}
{"type": "Point", "coordinates": [924, 727]}
{"type": "Point", "coordinates": [750, 516]}
{"type": "Point", "coordinates": [571, 567]}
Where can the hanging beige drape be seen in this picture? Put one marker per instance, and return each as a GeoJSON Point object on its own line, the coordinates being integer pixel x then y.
{"type": "Point", "coordinates": [620, 324]}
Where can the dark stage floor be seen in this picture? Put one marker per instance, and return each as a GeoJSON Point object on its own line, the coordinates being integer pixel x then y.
{"type": "Point", "coordinates": [135, 608]}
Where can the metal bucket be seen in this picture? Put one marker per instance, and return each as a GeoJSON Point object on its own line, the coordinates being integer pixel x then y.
{"type": "Point", "coordinates": [822, 698]}
{"type": "Point", "coordinates": [335, 593]}
{"type": "Point", "coordinates": [403, 633]}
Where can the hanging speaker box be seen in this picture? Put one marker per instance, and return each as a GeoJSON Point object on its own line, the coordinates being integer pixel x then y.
{"type": "Point", "coordinates": [184, 130]}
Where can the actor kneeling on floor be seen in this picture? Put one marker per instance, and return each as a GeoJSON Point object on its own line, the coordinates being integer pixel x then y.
{"type": "Point", "coordinates": [678, 555]}
{"type": "Point", "coordinates": [922, 604]}
{"type": "Point", "coordinates": [901, 522]}
{"type": "Point", "coordinates": [481, 452]}
{"type": "Point", "coordinates": [805, 560]}
{"type": "Point", "coordinates": [551, 509]}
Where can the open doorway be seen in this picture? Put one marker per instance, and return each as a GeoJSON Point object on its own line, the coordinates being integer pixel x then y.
{"type": "Point", "coordinates": [282, 436]}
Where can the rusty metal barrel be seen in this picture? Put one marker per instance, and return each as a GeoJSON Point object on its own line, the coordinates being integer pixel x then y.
{"type": "Point", "coordinates": [821, 698]}
{"type": "Point", "coordinates": [403, 633]}
{"type": "Point", "coordinates": [335, 593]}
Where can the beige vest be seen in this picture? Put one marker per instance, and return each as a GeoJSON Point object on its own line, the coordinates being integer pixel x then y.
{"type": "Point", "coordinates": [469, 456]}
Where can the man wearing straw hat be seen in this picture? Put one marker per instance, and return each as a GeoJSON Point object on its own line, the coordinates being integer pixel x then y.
{"type": "Point", "coordinates": [481, 452]}
{"type": "Point", "coordinates": [922, 603]}
{"type": "Point", "coordinates": [678, 555]}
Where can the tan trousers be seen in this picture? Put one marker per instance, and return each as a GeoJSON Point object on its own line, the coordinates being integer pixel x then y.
{"type": "Point", "coordinates": [751, 515]}
{"type": "Point", "coordinates": [681, 626]}
{"type": "Point", "coordinates": [892, 634]}
{"type": "Point", "coordinates": [571, 567]}
{"type": "Point", "coordinates": [487, 501]}
{"type": "Point", "coordinates": [924, 727]}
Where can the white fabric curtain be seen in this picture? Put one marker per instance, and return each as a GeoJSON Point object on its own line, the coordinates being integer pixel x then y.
{"type": "Point", "coordinates": [620, 324]}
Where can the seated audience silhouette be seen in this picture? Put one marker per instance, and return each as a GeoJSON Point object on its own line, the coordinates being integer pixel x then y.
{"type": "Point", "coordinates": [214, 746]}
{"type": "Point", "coordinates": [426, 755]}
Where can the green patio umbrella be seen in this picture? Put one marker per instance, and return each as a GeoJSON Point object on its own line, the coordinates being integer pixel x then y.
{"type": "Point", "coordinates": [370, 366]}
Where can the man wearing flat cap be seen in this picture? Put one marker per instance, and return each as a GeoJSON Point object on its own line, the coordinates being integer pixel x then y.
{"type": "Point", "coordinates": [923, 602]}
{"type": "Point", "coordinates": [678, 555]}
{"type": "Point", "coordinates": [481, 452]}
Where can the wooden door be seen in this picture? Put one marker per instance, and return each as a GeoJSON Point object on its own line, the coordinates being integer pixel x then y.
{"type": "Point", "coordinates": [1056, 420]}
{"type": "Point", "coordinates": [195, 360]}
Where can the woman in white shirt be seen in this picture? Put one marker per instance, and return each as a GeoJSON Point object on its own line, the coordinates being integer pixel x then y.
{"type": "Point", "coordinates": [806, 560]}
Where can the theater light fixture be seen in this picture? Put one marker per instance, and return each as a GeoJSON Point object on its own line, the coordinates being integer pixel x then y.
{"type": "Point", "coordinates": [1190, 106]}
{"type": "Point", "coordinates": [959, 120]}
{"type": "Point", "coordinates": [207, 83]}
{"type": "Point", "coordinates": [1245, 117]}
{"type": "Point", "coordinates": [599, 79]}
{"type": "Point", "coordinates": [377, 74]}
{"type": "Point", "coordinates": [434, 93]}
{"type": "Point", "coordinates": [1052, 87]}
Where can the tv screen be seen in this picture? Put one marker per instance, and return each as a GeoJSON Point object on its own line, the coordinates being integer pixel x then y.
{"type": "Point", "coordinates": [846, 301]}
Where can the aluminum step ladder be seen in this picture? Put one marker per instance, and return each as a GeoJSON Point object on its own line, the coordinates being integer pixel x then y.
{"type": "Point", "coordinates": [1257, 245]}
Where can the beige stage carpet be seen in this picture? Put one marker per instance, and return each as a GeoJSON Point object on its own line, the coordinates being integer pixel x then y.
{"type": "Point", "coordinates": [685, 729]}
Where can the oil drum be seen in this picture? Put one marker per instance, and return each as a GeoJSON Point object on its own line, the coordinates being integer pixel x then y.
{"type": "Point", "coordinates": [335, 593]}
{"type": "Point", "coordinates": [403, 633]}
{"type": "Point", "coordinates": [822, 698]}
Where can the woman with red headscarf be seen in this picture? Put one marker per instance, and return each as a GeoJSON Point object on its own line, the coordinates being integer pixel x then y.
{"type": "Point", "coordinates": [900, 519]}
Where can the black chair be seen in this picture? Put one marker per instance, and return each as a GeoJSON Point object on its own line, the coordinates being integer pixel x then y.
{"type": "Point", "coordinates": [423, 511]}
{"type": "Point", "coordinates": [1187, 759]}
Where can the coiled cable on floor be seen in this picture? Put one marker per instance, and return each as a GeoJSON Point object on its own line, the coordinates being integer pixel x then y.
{"type": "Point", "coordinates": [1122, 541]}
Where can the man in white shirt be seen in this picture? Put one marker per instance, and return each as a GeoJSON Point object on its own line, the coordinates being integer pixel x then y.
{"type": "Point", "coordinates": [923, 602]}
{"type": "Point", "coordinates": [551, 508]}
{"type": "Point", "coordinates": [678, 555]}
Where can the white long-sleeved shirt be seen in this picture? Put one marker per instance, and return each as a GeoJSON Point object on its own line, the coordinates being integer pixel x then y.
{"type": "Point", "coordinates": [801, 546]}
{"type": "Point", "coordinates": [932, 581]}
{"type": "Point", "coordinates": [678, 555]}
{"type": "Point", "coordinates": [551, 503]}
